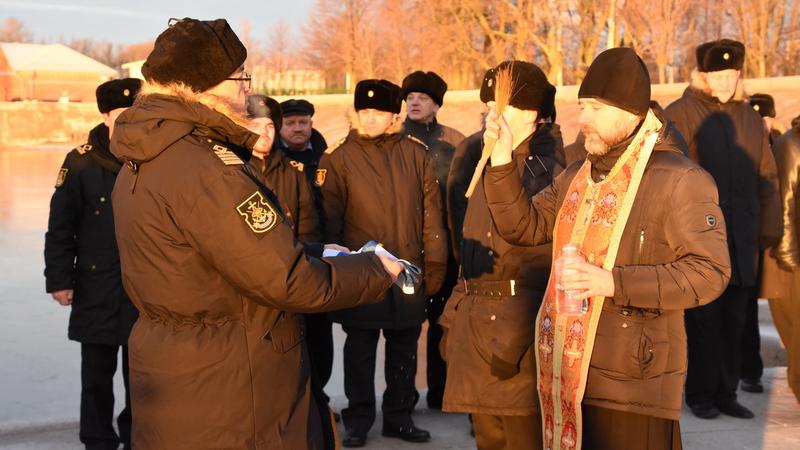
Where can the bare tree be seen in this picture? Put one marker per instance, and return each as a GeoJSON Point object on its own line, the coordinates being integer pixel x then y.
{"type": "Point", "coordinates": [14, 30]}
{"type": "Point", "coordinates": [659, 29]}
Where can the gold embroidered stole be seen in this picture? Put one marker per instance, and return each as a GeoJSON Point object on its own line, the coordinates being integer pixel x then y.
{"type": "Point", "coordinates": [593, 216]}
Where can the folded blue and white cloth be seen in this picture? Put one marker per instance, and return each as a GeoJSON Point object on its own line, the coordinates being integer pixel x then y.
{"type": "Point", "coordinates": [409, 278]}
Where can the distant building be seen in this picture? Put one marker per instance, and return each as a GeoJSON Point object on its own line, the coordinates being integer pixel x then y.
{"type": "Point", "coordinates": [289, 81]}
{"type": "Point", "coordinates": [52, 72]}
{"type": "Point", "coordinates": [133, 69]}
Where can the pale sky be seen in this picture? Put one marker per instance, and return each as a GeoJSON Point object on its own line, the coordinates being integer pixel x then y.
{"type": "Point", "coordinates": [133, 21]}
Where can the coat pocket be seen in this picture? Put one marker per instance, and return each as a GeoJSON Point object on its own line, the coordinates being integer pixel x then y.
{"type": "Point", "coordinates": [287, 333]}
{"type": "Point", "coordinates": [483, 316]}
{"type": "Point", "coordinates": [617, 346]}
{"type": "Point", "coordinates": [653, 349]}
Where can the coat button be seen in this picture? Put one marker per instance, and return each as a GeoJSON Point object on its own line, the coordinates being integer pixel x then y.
{"type": "Point", "coordinates": [96, 212]}
{"type": "Point", "coordinates": [94, 267]}
{"type": "Point", "coordinates": [493, 317]}
{"type": "Point", "coordinates": [491, 253]}
{"type": "Point", "coordinates": [624, 325]}
{"type": "Point", "coordinates": [102, 199]}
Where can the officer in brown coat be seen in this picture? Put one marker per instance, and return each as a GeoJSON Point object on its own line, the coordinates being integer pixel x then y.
{"type": "Point", "coordinates": [283, 175]}
{"type": "Point", "coordinates": [727, 138]}
{"type": "Point", "coordinates": [217, 357]}
{"type": "Point", "coordinates": [423, 93]}
{"type": "Point", "coordinates": [488, 318]}
{"type": "Point", "coordinates": [671, 255]}
{"type": "Point", "coordinates": [380, 185]}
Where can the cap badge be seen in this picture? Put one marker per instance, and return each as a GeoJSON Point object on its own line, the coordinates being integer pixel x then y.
{"type": "Point", "coordinates": [756, 107]}
{"type": "Point", "coordinates": [726, 56]}
{"type": "Point", "coordinates": [371, 94]}
{"type": "Point", "coordinates": [126, 92]}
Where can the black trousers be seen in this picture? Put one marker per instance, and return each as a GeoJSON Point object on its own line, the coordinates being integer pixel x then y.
{"type": "Point", "coordinates": [319, 339]}
{"type": "Point", "coordinates": [436, 369]}
{"type": "Point", "coordinates": [359, 377]}
{"type": "Point", "coordinates": [752, 365]}
{"type": "Point", "coordinates": [98, 366]}
{"type": "Point", "coordinates": [714, 333]}
{"type": "Point", "coordinates": [507, 432]}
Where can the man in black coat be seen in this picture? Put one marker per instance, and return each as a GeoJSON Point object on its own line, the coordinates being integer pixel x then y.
{"type": "Point", "coordinates": [727, 138]}
{"type": "Point", "coordinates": [83, 270]}
{"type": "Point", "coordinates": [423, 93]}
{"type": "Point", "coordinates": [299, 140]}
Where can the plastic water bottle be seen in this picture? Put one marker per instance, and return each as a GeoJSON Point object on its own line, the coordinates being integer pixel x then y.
{"type": "Point", "coordinates": [569, 302]}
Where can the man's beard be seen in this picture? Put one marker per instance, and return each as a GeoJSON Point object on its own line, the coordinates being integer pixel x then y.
{"type": "Point", "coordinates": [598, 144]}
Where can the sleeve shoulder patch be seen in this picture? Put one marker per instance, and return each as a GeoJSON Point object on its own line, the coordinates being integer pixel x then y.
{"type": "Point", "coordinates": [417, 140]}
{"type": "Point", "coordinates": [333, 147]}
{"type": "Point", "coordinates": [227, 157]}
{"type": "Point", "coordinates": [319, 177]}
{"type": "Point", "coordinates": [62, 177]}
{"type": "Point", "coordinates": [82, 149]}
{"type": "Point", "coordinates": [259, 215]}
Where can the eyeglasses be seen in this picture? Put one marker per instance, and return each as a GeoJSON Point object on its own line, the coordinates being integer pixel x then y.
{"type": "Point", "coordinates": [245, 78]}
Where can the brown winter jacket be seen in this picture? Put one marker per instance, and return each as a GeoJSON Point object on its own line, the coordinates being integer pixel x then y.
{"type": "Point", "coordinates": [787, 154]}
{"type": "Point", "coordinates": [673, 255]}
{"type": "Point", "coordinates": [485, 332]}
{"type": "Point", "coordinates": [217, 357]}
{"type": "Point", "coordinates": [729, 141]}
{"type": "Point", "coordinates": [385, 189]}
{"type": "Point", "coordinates": [294, 192]}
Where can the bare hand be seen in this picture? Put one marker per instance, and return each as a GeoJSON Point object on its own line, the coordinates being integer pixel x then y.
{"type": "Point", "coordinates": [391, 265]}
{"type": "Point", "coordinates": [337, 248]}
{"type": "Point", "coordinates": [63, 297]}
{"type": "Point", "coordinates": [589, 279]}
{"type": "Point", "coordinates": [498, 131]}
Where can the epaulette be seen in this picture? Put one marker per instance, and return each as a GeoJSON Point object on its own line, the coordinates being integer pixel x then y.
{"type": "Point", "coordinates": [417, 140]}
{"type": "Point", "coordinates": [227, 157]}
{"type": "Point", "coordinates": [82, 149]}
{"type": "Point", "coordinates": [333, 147]}
{"type": "Point", "coordinates": [297, 165]}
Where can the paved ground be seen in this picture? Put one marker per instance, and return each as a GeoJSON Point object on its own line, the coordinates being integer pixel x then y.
{"type": "Point", "coordinates": [776, 427]}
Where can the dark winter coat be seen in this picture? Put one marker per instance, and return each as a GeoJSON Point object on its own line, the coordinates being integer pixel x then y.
{"type": "Point", "coordinates": [217, 357]}
{"type": "Point", "coordinates": [80, 246]}
{"type": "Point", "coordinates": [483, 330]}
{"type": "Point", "coordinates": [441, 141]}
{"type": "Point", "coordinates": [294, 192]}
{"type": "Point", "coordinates": [730, 142]}
{"type": "Point", "coordinates": [385, 189]}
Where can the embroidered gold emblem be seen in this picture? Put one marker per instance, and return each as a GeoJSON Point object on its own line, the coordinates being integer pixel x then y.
{"type": "Point", "coordinates": [259, 215]}
{"type": "Point", "coordinates": [319, 177]}
{"type": "Point", "coordinates": [62, 176]}
{"type": "Point", "coordinates": [226, 156]}
{"type": "Point", "coordinates": [84, 148]}
{"type": "Point", "coordinates": [297, 165]}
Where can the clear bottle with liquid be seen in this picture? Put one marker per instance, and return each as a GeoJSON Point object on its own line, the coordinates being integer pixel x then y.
{"type": "Point", "coordinates": [569, 302]}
